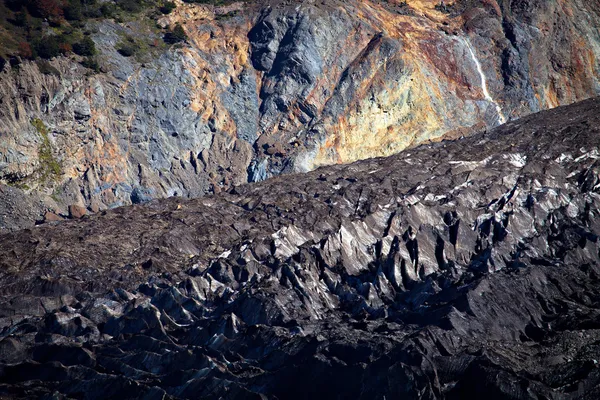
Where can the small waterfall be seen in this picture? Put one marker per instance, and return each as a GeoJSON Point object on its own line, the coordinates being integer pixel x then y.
{"type": "Point", "coordinates": [486, 93]}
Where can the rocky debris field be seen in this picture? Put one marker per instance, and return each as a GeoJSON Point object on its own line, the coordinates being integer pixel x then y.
{"type": "Point", "coordinates": [464, 269]}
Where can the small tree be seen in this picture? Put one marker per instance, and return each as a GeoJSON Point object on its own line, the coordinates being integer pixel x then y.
{"type": "Point", "coordinates": [48, 47]}
{"type": "Point", "coordinates": [176, 35]}
{"type": "Point", "coordinates": [126, 49]}
{"type": "Point", "coordinates": [51, 9]}
{"type": "Point", "coordinates": [73, 11]}
{"type": "Point", "coordinates": [25, 50]}
{"type": "Point", "coordinates": [167, 7]}
{"type": "Point", "coordinates": [65, 48]}
{"type": "Point", "coordinates": [22, 18]}
{"type": "Point", "coordinates": [86, 47]}
{"type": "Point", "coordinates": [91, 63]}
{"type": "Point", "coordinates": [130, 5]}
{"type": "Point", "coordinates": [107, 10]}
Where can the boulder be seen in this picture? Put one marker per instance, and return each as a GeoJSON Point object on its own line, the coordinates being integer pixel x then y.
{"type": "Point", "coordinates": [49, 216]}
{"type": "Point", "coordinates": [76, 211]}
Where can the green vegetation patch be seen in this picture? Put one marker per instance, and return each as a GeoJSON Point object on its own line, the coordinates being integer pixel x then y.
{"type": "Point", "coordinates": [167, 7]}
{"type": "Point", "coordinates": [86, 47]}
{"type": "Point", "coordinates": [32, 29]}
{"type": "Point", "coordinates": [50, 167]}
{"type": "Point", "coordinates": [44, 29]}
{"type": "Point", "coordinates": [141, 48]}
{"type": "Point", "coordinates": [176, 35]}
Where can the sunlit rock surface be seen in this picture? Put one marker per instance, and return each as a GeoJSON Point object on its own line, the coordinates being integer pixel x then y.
{"type": "Point", "coordinates": [464, 269]}
{"type": "Point", "coordinates": [264, 88]}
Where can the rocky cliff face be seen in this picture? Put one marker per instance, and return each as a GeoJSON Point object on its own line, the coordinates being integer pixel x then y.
{"type": "Point", "coordinates": [274, 87]}
{"type": "Point", "coordinates": [466, 269]}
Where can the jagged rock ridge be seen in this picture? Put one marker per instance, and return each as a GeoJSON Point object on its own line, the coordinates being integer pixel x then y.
{"type": "Point", "coordinates": [465, 269]}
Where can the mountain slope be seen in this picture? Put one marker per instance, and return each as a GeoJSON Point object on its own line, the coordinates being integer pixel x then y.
{"type": "Point", "coordinates": [457, 269]}
{"type": "Point", "coordinates": [264, 88]}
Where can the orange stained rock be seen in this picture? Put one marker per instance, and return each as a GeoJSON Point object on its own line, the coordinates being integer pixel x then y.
{"type": "Point", "coordinates": [434, 68]}
{"type": "Point", "coordinates": [389, 131]}
{"type": "Point", "coordinates": [368, 130]}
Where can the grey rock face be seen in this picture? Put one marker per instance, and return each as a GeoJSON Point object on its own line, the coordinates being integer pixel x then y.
{"type": "Point", "coordinates": [452, 270]}
{"type": "Point", "coordinates": [243, 106]}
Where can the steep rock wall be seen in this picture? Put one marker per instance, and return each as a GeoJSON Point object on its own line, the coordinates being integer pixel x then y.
{"type": "Point", "coordinates": [276, 87]}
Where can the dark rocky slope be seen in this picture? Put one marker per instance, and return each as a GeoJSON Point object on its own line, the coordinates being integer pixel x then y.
{"type": "Point", "coordinates": [465, 269]}
{"type": "Point", "coordinates": [269, 87]}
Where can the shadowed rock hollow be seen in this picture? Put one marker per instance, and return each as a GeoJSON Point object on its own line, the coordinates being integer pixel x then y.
{"type": "Point", "coordinates": [464, 269]}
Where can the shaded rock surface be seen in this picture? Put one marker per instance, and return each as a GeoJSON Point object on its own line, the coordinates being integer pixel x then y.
{"type": "Point", "coordinates": [464, 269]}
{"type": "Point", "coordinates": [270, 87]}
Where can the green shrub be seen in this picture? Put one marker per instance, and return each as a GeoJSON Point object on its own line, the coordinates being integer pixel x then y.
{"type": "Point", "coordinates": [47, 47]}
{"type": "Point", "coordinates": [130, 5]}
{"type": "Point", "coordinates": [21, 18]}
{"type": "Point", "coordinates": [26, 51]}
{"type": "Point", "coordinates": [176, 35]}
{"type": "Point", "coordinates": [127, 49]}
{"type": "Point", "coordinates": [167, 7]}
{"type": "Point", "coordinates": [108, 10]}
{"type": "Point", "coordinates": [14, 62]}
{"type": "Point", "coordinates": [94, 12]}
{"type": "Point", "coordinates": [73, 10]}
{"type": "Point", "coordinates": [91, 63]}
{"type": "Point", "coordinates": [86, 47]}
{"type": "Point", "coordinates": [50, 9]}
{"type": "Point", "coordinates": [39, 126]}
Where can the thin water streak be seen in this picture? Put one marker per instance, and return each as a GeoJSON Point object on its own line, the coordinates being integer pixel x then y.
{"type": "Point", "coordinates": [486, 93]}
